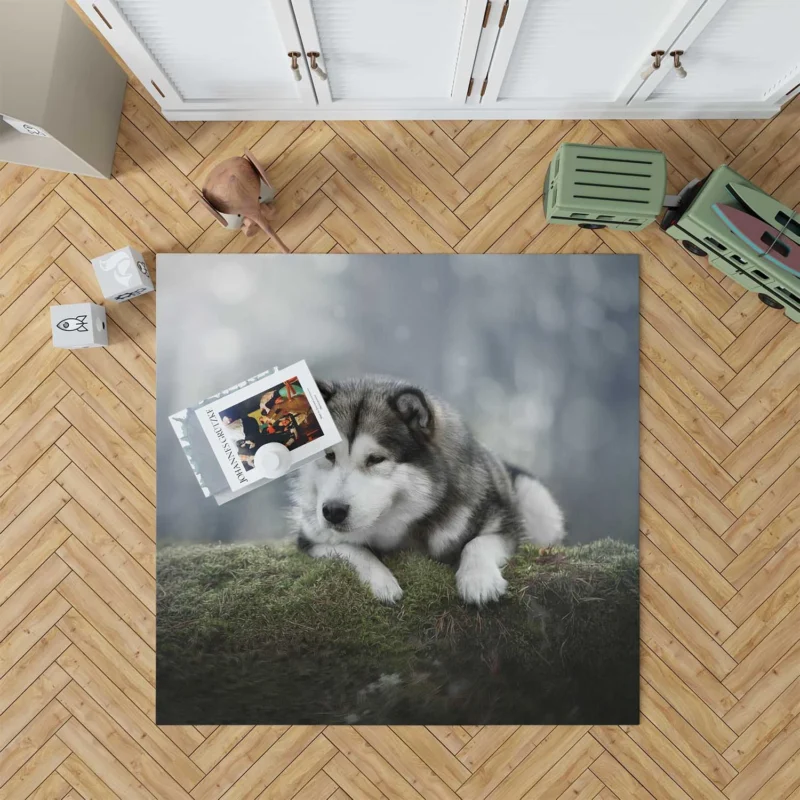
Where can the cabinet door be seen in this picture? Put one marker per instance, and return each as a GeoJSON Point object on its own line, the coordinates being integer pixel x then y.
{"type": "Point", "coordinates": [208, 54]}
{"type": "Point", "coordinates": [409, 54]}
{"type": "Point", "coordinates": [734, 51]}
{"type": "Point", "coordinates": [559, 53]}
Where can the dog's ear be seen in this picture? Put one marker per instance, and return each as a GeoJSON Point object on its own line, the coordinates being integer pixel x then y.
{"type": "Point", "coordinates": [412, 407]}
{"type": "Point", "coordinates": [327, 389]}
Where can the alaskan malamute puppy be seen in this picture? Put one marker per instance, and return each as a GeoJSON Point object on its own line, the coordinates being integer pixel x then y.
{"type": "Point", "coordinates": [408, 473]}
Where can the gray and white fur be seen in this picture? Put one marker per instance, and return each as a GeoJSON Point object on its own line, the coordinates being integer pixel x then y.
{"type": "Point", "coordinates": [409, 473]}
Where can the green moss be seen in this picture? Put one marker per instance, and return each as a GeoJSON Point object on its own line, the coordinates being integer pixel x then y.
{"type": "Point", "coordinates": [268, 635]}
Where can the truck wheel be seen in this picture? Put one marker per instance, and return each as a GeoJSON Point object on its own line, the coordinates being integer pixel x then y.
{"type": "Point", "coordinates": [769, 301]}
{"type": "Point", "coordinates": [693, 248]}
{"type": "Point", "coordinates": [592, 226]}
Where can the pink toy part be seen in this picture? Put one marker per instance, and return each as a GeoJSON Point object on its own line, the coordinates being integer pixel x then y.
{"type": "Point", "coordinates": [764, 239]}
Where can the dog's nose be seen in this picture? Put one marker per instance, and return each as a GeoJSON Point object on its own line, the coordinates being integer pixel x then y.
{"type": "Point", "coordinates": [335, 512]}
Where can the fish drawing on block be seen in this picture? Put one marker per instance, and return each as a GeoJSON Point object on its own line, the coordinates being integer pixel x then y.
{"type": "Point", "coordinates": [763, 238]}
{"type": "Point", "coordinates": [74, 324]}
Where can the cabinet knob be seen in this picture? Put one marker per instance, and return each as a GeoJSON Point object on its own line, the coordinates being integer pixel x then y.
{"type": "Point", "coordinates": [676, 59]}
{"type": "Point", "coordinates": [651, 68]}
{"type": "Point", "coordinates": [317, 70]}
{"type": "Point", "coordinates": [295, 67]}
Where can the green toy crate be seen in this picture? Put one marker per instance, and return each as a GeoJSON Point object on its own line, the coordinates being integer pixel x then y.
{"type": "Point", "coordinates": [605, 187]}
{"type": "Point", "coordinates": [702, 232]}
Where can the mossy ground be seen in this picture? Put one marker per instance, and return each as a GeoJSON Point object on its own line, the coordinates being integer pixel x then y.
{"type": "Point", "coordinates": [259, 634]}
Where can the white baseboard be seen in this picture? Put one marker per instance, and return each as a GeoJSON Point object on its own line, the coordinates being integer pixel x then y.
{"type": "Point", "coordinates": [650, 111]}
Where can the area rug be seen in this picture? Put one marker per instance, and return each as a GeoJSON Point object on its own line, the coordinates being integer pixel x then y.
{"type": "Point", "coordinates": [462, 551]}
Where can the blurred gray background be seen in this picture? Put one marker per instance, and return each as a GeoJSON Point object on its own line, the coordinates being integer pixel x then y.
{"type": "Point", "coordinates": [553, 340]}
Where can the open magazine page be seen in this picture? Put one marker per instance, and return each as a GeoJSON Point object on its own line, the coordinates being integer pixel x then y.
{"type": "Point", "coordinates": [285, 407]}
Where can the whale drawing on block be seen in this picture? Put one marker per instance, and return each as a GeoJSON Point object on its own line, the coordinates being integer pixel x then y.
{"type": "Point", "coordinates": [763, 238]}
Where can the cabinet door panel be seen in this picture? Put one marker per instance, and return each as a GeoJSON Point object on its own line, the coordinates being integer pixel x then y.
{"type": "Point", "coordinates": [208, 53]}
{"type": "Point", "coordinates": [414, 52]}
{"type": "Point", "coordinates": [577, 51]}
{"type": "Point", "coordinates": [746, 52]}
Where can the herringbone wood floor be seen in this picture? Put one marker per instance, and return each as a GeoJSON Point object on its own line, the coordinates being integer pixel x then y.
{"type": "Point", "coordinates": [720, 462]}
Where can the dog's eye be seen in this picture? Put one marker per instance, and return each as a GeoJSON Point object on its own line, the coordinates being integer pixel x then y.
{"type": "Point", "coordinates": [373, 460]}
{"type": "Point", "coordinates": [331, 457]}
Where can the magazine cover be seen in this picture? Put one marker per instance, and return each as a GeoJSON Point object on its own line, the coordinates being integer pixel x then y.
{"type": "Point", "coordinates": [285, 407]}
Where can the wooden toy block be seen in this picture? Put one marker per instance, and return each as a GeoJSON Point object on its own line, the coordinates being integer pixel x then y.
{"type": "Point", "coordinates": [78, 325]}
{"type": "Point", "coordinates": [122, 275]}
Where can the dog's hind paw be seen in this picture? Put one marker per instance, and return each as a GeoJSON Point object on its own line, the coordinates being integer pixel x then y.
{"type": "Point", "coordinates": [385, 587]}
{"type": "Point", "coordinates": [480, 585]}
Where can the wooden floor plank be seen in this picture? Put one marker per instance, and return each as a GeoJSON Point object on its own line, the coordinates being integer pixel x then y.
{"type": "Point", "coordinates": [38, 294]}
{"type": "Point", "coordinates": [760, 606]}
{"type": "Point", "coordinates": [95, 538]}
{"type": "Point", "coordinates": [147, 156]}
{"type": "Point", "coordinates": [691, 634]}
{"type": "Point", "coordinates": [100, 615]}
{"type": "Point", "coordinates": [431, 136]}
{"type": "Point", "coordinates": [685, 737]}
{"type": "Point", "coordinates": [31, 629]}
{"type": "Point", "coordinates": [275, 760]}
{"type": "Point", "coordinates": [33, 701]}
{"type": "Point", "coordinates": [686, 665]}
{"type": "Point", "coordinates": [350, 780]}
{"type": "Point", "coordinates": [109, 444]}
{"type": "Point", "coordinates": [30, 267]}
{"type": "Point", "coordinates": [109, 517]}
{"type": "Point", "coordinates": [225, 773]}
{"type": "Point", "coordinates": [501, 204]}
{"type": "Point", "coordinates": [12, 176]}
{"type": "Point", "coordinates": [37, 769]}
{"type": "Point", "coordinates": [502, 180]}
{"type": "Point", "coordinates": [294, 157]}
{"type": "Point", "coordinates": [31, 593]}
{"type": "Point", "coordinates": [130, 719]}
{"type": "Point", "coordinates": [159, 131]}
{"type": "Point", "coordinates": [106, 585]}
{"type": "Point", "coordinates": [108, 478]}
{"type": "Point", "coordinates": [102, 769]}
{"type": "Point", "coordinates": [394, 191]}
{"type": "Point", "coordinates": [519, 746]}
{"type": "Point", "coordinates": [664, 428]}
{"type": "Point", "coordinates": [25, 199]}
{"type": "Point", "coordinates": [84, 782]}
{"type": "Point", "coordinates": [682, 555]}
{"type": "Point", "coordinates": [427, 169]}
{"type": "Point", "coordinates": [152, 197]}
{"type": "Point", "coordinates": [125, 749]}
{"type": "Point", "coordinates": [368, 223]}
{"type": "Point", "coordinates": [209, 135]}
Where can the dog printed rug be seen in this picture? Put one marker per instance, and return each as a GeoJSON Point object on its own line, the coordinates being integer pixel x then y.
{"type": "Point", "coordinates": [467, 553]}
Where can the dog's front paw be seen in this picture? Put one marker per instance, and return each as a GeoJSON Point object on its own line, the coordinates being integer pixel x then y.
{"type": "Point", "coordinates": [385, 587]}
{"type": "Point", "coordinates": [480, 584]}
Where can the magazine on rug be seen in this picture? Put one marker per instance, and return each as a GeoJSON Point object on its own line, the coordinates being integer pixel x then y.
{"type": "Point", "coordinates": [285, 407]}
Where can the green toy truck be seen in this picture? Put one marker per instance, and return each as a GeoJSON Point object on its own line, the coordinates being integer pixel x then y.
{"type": "Point", "coordinates": [609, 187]}
{"type": "Point", "coordinates": [702, 232]}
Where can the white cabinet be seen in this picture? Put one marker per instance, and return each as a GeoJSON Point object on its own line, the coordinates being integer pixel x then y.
{"type": "Point", "coordinates": [733, 51]}
{"type": "Point", "coordinates": [207, 54]}
{"type": "Point", "coordinates": [576, 51]}
{"type": "Point", "coordinates": [415, 53]}
{"type": "Point", "coordinates": [384, 59]}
